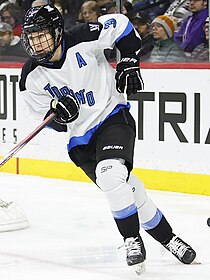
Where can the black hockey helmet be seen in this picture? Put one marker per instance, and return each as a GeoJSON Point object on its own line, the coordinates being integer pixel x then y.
{"type": "Point", "coordinates": [42, 18]}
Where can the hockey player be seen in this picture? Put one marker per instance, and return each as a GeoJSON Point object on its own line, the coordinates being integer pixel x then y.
{"type": "Point", "coordinates": [68, 74]}
{"type": "Point", "coordinates": [11, 217]}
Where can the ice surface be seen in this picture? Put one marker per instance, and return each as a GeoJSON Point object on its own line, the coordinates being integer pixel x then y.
{"type": "Point", "coordinates": [72, 234]}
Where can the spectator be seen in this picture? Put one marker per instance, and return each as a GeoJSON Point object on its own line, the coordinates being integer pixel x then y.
{"type": "Point", "coordinates": [165, 49]}
{"type": "Point", "coordinates": [201, 52]}
{"type": "Point", "coordinates": [179, 10]}
{"type": "Point", "coordinates": [10, 45]}
{"type": "Point", "coordinates": [13, 14]}
{"type": "Point", "coordinates": [142, 23]}
{"type": "Point", "coordinates": [191, 32]}
{"type": "Point", "coordinates": [153, 8]}
{"type": "Point", "coordinates": [90, 11]}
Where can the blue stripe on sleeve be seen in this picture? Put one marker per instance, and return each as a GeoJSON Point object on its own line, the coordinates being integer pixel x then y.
{"type": "Point", "coordinates": [154, 221]}
{"type": "Point", "coordinates": [127, 30]}
{"type": "Point", "coordinates": [84, 139]}
{"type": "Point", "coordinates": [125, 213]}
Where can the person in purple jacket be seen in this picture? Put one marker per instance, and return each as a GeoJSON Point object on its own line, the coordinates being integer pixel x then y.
{"type": "Point", "coordinates": [191, 32]}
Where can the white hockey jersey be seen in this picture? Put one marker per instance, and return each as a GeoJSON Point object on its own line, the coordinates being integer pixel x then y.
{"type": "Point", "coordinates": [84, 72]}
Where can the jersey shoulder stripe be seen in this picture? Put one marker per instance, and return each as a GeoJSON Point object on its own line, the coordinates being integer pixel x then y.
{"type": "Point", "coordinates": [127, 30]}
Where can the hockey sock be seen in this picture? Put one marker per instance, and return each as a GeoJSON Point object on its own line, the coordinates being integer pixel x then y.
{"type": "Point", "coordinates": [162, 232]}
{"type": "Point", "coordinates": [128, 227]}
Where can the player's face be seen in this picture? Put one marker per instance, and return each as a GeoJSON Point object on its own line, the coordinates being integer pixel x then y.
{"type": "Point", "coordinates": [41, 41]}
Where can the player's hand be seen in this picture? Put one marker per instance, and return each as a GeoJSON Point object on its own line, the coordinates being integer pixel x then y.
{"type": "Point", "coordinates": [128, 76]}
{"type": "Point", "coordinates": [66, 108]}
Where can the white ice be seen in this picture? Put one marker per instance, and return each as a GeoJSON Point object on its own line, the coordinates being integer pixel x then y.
{"type": "Point", "coordinates": [72, 234]}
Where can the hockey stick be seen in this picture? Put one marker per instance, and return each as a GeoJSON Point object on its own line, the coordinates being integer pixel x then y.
{"type": "Point", "coordinates": [20, 145]}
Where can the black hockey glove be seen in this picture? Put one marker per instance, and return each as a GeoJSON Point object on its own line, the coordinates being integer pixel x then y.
{"type": "Point", "coordinates": [55, 125]}
{"type": "Point", "coordinates": [67, 109]}
{"type": "Point", "coordinates": [128, 76]}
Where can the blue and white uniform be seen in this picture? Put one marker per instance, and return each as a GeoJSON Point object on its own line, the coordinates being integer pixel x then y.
{"type": "Point", "coordinates": [101, 139]}
{"type": "Point", "coordinates": [84, 72]}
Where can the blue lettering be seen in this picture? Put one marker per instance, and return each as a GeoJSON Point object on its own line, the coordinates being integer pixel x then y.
{"type": "Point", "coordinates": [64, 90]}
{"type": "Point", "coordinates": [110, 22]}
{"type": "Point", "coordinates": [56, 92]}
{"type": "Point", "coordinates": [72, 92]}
{"type": "Point", "coordinates": [90, 98]}
{"type": "Point", "coordinates": [80, 60]}
{"type": "Point", "coordinates": [80, 96]}
{"type": "Point", "coordinates": [48, 88]}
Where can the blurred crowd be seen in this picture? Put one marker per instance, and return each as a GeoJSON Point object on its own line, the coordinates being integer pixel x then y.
{"type": "Point", "coordinates": [171, 30]}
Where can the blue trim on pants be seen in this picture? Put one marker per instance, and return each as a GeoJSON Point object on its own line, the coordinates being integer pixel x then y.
{"type": "Point", "coordinates": [84, 139]}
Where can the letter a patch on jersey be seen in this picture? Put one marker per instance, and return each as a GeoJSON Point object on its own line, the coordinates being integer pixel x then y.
{"type": "Point", "coordinates": [80, 60]}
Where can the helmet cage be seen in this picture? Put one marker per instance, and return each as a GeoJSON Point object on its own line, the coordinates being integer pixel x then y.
{"type": "Point", "coordinates": [39, 19]}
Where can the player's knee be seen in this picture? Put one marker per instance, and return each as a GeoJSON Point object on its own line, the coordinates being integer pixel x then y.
{"type": "Point", "coordinates": [110, 174]}
{"type": "Point", "coordinates": [147, 210]}
{"type": "Point", "coordinates": [138, 190]}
